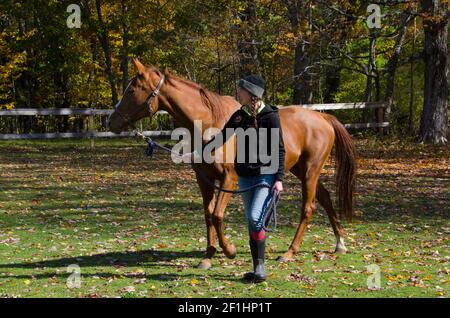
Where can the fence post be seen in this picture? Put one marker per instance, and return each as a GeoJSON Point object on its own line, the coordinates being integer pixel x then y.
{"type": "Point", "coordinates": [91, 129]}
{"type": "Point", "coordinates": [380, 118]}
{"type": "Point", "coordinates": [387, 114]}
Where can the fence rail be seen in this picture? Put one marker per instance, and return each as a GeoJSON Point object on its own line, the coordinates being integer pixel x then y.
{"type": "Point", "coordinates": [60, 112]}
{"type": "Point", "coordinates": [95, 134]}
{"type": "Point", "coordinates": [340, 106]}
{"type": "Point", "coordinates": [360, 105]}
{"type": "Point", "coordinates": [91, 134]}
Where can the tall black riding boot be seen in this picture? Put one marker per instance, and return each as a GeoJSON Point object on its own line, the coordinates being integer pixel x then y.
{"type": "Point", "coordinates": [257, 249]}
{"type": "Point", "coordinates": [251, 275]}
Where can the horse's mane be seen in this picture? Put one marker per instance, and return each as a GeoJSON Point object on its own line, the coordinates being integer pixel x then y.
{"type": "Point", "coordinates": [209, 98]}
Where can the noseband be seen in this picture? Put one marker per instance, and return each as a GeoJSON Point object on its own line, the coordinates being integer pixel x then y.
{"type": "Point", "coordinates": [147, 104]}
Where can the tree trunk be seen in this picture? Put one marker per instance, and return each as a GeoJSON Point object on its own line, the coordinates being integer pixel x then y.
{"type": "Point", "coordinates": [392, 66]}
{"type": "Point", "coordinates": [302, 78]}
{"type": "Point", "coordinates": [125, 41]}
{"type": "Point", "coordinates": [371, 71]}
{"type": "Point", "coordinates": [61, 80]}
{"type": "Point", "coordinates": [434, 121]}
{"type": "Point", "coordinates": [250, 60]}
{"type": "Point", "coordinates": [104, 40]}
{"type": "Point", "coordinates": [332, 82]}
{"type": "Point", "coordinates": [411, 85]}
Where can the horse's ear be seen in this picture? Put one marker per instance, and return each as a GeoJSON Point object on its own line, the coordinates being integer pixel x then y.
{"type": "Point", "coordinates": [138, 65]}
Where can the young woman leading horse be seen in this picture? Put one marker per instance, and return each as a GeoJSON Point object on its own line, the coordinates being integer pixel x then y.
{"type": "Point", "coordinates": [257, 116]}
{"type": "Point", "coordinates": [308, 137]}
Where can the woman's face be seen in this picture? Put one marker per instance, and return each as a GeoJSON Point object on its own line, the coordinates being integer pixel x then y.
{"type": "Point", "coordinates": [244, 96]}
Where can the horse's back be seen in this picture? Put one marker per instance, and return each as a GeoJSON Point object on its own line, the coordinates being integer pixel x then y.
{"type": "Point", "coordinates": [304, 130]}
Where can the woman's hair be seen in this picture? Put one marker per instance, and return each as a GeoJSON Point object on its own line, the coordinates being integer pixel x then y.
{"type": "Point", "coordinates": [254, 110]}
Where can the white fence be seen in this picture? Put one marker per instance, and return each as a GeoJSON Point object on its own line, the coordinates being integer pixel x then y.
{"type": "Point", "coordinates": [90, 133]}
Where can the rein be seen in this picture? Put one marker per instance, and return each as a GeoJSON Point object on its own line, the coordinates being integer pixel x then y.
{"type": "Point", "coordinates": [270, 214]}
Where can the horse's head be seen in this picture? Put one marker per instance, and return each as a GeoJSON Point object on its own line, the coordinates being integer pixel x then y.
{"type": "Point", "coordinates": [139, 98]}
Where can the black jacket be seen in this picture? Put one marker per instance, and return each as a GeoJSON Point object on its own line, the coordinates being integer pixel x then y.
{"type": "Point", "coordinates": [268, 118]}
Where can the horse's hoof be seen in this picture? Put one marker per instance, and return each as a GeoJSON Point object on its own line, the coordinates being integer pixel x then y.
{"type": "Point", "coordinates": [230, 252]}
{"type": "Point", "coordinates": [340, 251]}
{"type": "Point", "coordinates": [284, 259]}
{"type": "Point", "coordinates": [205, 264]}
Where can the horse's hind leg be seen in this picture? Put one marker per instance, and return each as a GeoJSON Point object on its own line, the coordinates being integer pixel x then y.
{"type": "Point", "coordinates": [323, 196]}
{"type": "Point", "coordinates": [309, 175]}
{"type": "Point", "coordinates": [208, 206]}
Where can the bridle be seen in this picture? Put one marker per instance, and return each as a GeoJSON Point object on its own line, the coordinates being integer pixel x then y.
{"type": "Point", "coordinates": [147, 104]}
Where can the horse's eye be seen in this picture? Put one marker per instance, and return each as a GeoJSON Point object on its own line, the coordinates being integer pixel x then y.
{"type": "Point", "coordinates": [131, 91]}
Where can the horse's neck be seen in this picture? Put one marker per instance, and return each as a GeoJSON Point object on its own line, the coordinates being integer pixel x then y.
{"type": "Point", "coordinates": [185, 105]}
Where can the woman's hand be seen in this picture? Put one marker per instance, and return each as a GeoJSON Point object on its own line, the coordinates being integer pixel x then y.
{"type": "Point", "coordinates": [277, 187]}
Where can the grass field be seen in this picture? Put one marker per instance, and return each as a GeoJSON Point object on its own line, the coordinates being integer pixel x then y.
{"type": "Point", "coordinates": [135, 226]}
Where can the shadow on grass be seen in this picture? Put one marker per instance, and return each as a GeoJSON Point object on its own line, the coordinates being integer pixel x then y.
{"type": "Point", "coordinates": [152, 277]}
{"type": "Point", "coordinates": [116, 260]}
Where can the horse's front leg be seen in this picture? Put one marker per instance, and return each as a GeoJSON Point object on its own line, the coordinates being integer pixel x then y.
{"type": "Point", "coordinates": [222, 200]}
{"type": "Point", "coordinates": [208, 207]}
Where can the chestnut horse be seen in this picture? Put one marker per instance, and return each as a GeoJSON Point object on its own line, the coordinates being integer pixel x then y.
{"type": "Point", "coordinates": [309, 137]}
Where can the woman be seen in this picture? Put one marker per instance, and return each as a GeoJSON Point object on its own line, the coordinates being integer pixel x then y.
{"type": "Point", "coordinates": [255, 114]}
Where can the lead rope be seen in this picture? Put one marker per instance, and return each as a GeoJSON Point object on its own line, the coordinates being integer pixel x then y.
{"type": "Point", "coordinates": [270, 213]}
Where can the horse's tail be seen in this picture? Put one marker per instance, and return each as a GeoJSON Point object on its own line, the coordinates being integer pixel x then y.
{"type": "Point", "coordinates": [346, 167]}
